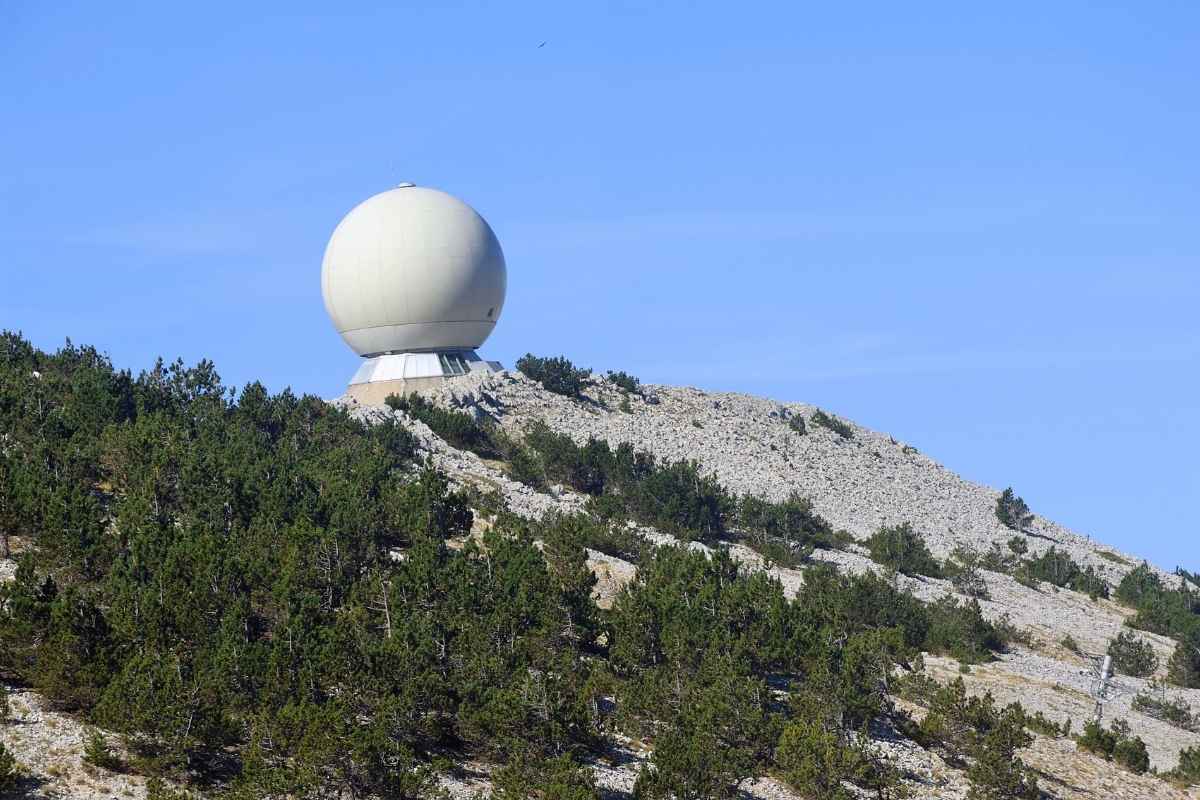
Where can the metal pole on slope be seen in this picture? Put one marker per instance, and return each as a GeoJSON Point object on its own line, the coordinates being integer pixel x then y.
{"type": "Point", "coordinates": [1100, 688]}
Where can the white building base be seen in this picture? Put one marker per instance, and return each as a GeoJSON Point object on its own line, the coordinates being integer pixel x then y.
{"type": "Point", "coordinates": [404, 373]}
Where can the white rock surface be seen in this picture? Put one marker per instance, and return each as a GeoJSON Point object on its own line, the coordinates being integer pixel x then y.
{"type": "Point", "coordinates": [858, 484]}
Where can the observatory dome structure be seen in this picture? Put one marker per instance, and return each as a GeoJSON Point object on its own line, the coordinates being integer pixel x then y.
{"type": "Point", "coordinates": [414, 281]}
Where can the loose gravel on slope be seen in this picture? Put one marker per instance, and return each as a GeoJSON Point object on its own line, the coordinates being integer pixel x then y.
{"type": "Point", "coordinates": [858, 484]}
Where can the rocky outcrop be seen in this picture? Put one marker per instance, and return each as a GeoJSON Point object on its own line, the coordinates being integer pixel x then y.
{"type": "Point", "coordinates": [857, 483]}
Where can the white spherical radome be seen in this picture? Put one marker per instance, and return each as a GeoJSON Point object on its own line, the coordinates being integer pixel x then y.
{"type": "Point", "coordinates": [413, 270]}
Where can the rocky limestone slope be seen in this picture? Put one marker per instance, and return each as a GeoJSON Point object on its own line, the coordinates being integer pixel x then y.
{"type": "Point", "coordinates": [857, 483]}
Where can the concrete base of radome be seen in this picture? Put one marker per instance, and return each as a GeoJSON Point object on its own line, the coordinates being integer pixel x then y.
{"type": "Point", "coordinates": [405, 373]}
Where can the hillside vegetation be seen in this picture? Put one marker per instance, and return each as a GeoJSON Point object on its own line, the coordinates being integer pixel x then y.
{"type": "Point", "coordinates": [263, 595]}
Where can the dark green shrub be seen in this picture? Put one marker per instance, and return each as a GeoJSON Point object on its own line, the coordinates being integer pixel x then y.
{"type": "Point", "coordinates": [975, 727]}
{"type": "Point", "coordinates": [97, 752]}
{"type": "Point", "coordinates": [996, 773]}
{"type": "Point", "coordinates": [540, 778]}
{"type": "Point", "coordinates": [960, 630]}
{"type": "Point", "coordinates": [1012, 511]}
{"type": "Point", "coordinates": [675, 497]}
{"type": "Point", "coordinates": [965, 570]}
{"type": "Point", "coordinates": [625, 382]}
{"type": "Point", "coordinates": [678, 499]}
{"type": "Point", "coordinates": [557, 375]}
{"type": "Point", "coordinates": [1058, 568]}
{"type": "Point", "coordinates": [691, 764]}
{"type": "Point", "coordinates": [489, 500]}
{"type": "Point", "coordinates": [1188, 769]}
{"type": "Point", "coordinates": [796, 423]}
{"type": "Point", "coordinates": [1139, 584]}
{"type": "Point", "coordinates": [902, 549]}
{"type": "Point", "coordinates": [584, 468]}
{"type": "Point", "coordinates": [1183, 668]}
{"type": "Point", "coordinates": [1039, 723]}
{"type": "Point", "coordinates": [592, 532]}
{"type": "Point", "coordinates": [1170, 613]}
{"type": "Point", "coordinates": [1115, 744]}
{"type": "Point", "coordinates": [867, 602]}
{"type": "Point", "coordinates": [8, 770]}
{"type": "Point", "coordinates": [457, 428]}
{"type": "Point", "coordinates": [860, 603]}
{"type": "Point", "coordinates": [996, 559]}
{"type": "Point", "coordinates": [1018, 545]}
{"type": "Point", "coordinates": [1176, 712]}
{"type": "Point", "coordinates": [1131, 754]}
{"type": "Point", "coordinates": [786, 532]}
{"type": "Point", "coordinates": [834, 424]}
{"type": "Point", "coordinates": [1132, 656]}
{"type": "Point", "coordinates": [524, 466]}
{"type": "Point", "coordinates": [691, 677]}
{"type": "Point", "coordinates": [816, 759]}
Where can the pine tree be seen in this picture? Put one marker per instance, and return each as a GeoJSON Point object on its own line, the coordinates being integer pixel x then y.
{"type": "Point", "coordinates": [1012, 511]}
{"type": "Point", "coordinates": [1183, 668]}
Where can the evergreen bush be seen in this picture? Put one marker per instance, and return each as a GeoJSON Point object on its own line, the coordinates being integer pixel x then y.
{"type": "Point", "coordinates": [817, 760]}
{"type": "Point", "coordinates": [1012, 511]}
{"type": "Point", "coordinates": [1183, 668]}
{"type": "Point", "coordinates": [457, 428]}
{"type": "Point", "coordinates": [557, 375]}
{"type": "Point", "coordinates": [975, 728]}
{"type": "Point", "coordinates": [625, 382]}
{"type": "Point", "coordinates": [1139, 584]}
{"type": "Point", "coordinates": [902, 549]}
{"type": "Point", "coordinates": [1132, 755]}
{"type": "Point", "coordinates": [540, 778]}
{"type": "Point", "coordinates": [1115, 744]}
{"type": "Point", "coordinates": [834, 424]}
{"type": "Point", "coordinates": [1188, 769]}
{"type": "Point", "coordinates": [1132, 656]}
{"type": "Point", "coordinates": [1058, 568]}
{"type": "Point", "coordinates": [9, 774]}
{"type": "Point", "coordinates": [1176, 712]}
{"type": "Point", "coordinates": [965, 570]}
{"type": "Point", "coordinates": [97, 752]}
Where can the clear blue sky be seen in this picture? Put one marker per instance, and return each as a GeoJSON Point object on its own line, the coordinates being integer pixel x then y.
{"type": "Point", "coordinates": [978, 230]}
